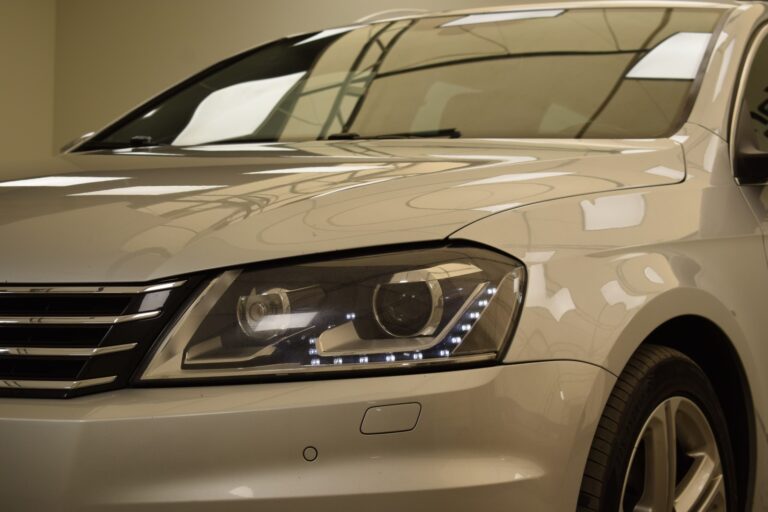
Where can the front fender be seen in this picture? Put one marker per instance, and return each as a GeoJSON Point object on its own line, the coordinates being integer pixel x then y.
{"type": "Point", "coordinates": [606, 269]}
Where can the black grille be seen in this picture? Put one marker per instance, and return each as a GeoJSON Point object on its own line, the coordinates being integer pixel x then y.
{"type": "Point", "coordinates": [63, 305]}
{"type": "Point", "coordinates": [61, 342]}
{"type": "Point", "coordinates": [52, 336]}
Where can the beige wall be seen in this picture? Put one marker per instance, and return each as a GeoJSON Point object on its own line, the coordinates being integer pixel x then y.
{"type": "Point", "coordinates": [27, 33]}
{"type": "Point", "coordinates": [112, 55]}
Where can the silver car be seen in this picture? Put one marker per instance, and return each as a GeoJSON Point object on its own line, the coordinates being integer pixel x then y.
{"type": "Point", "coordinates": [506, 259]}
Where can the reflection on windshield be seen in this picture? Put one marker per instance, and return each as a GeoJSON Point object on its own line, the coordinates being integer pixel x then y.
{"type": "Point", "coordinates": [235, 111]}
{"type": "Point", "coordinates": [326, 33]}
{"type": "Point", "coordinates": [577, 73]}
{"type": "Point", "coordinates": [679, 57]}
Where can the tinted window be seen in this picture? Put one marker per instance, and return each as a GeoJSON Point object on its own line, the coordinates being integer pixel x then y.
{"type": "Point", "coordinates": [756, 96]}
{"type": "Point", "coordinates": [598, 73]}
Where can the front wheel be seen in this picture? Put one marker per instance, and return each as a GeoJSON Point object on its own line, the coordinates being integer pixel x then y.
{"type": "Point", "coordinates": [662, 443]}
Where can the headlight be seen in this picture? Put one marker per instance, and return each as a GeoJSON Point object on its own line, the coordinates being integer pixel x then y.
{"type": "Point", "coordinates": [387, 311]}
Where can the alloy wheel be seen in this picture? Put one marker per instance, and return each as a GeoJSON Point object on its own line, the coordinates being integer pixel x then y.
{"type": "Point", "coordinates": [675, 463]}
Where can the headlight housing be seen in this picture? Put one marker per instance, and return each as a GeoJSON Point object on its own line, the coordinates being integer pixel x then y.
{"type": "Point", "coordinates": [387, 311]}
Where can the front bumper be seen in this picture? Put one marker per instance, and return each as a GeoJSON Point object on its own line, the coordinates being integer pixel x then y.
{"type": "Point", "coordinates": [499, 438]}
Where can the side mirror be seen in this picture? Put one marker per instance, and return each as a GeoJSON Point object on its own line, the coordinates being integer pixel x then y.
{"type": "Point", "coordinates": [751, 162]}
{"type": "Point", "coordinates": [751, 167]}
{"type": "Point", "coordinates": [69, 146]}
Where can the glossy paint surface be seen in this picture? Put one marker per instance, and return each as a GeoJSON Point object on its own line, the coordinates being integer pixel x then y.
{"type": "Point", "coordinates": [618, 237]}
{"type": "Point", "coordinates": [238, 448]}
{"type": "Point", "coordinates": [607, 269]}
{"type": "Point", "coordinates": [142, 215]}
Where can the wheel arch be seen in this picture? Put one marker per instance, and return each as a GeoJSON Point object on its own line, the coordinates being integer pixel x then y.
{"type": "Point", "coordinates": [722, 365]}
{"type": "Point", "coordinates": [706, 332]}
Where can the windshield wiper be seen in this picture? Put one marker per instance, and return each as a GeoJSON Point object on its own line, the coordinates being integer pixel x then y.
{"type": "Point", "coordinates": [451, 133]}
{"type": "Point", "coordinates": [142, 141]}
{"type": "Point", "coordinates": [236, 140]}
{"type": "Point", "coordinates": [138, 141]}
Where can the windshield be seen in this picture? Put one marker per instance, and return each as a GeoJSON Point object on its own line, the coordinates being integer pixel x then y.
{"type": "Point", "coordinates": [556, 73]}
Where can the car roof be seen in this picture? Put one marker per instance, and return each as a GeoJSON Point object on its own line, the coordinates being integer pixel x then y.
{"type": "Point", "coordinates": [581, 4]}
{"type": "Point", "coordinates": [605, 4]}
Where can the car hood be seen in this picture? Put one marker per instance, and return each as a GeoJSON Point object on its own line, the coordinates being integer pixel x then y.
{"type": "Point", "coordinates": [142, 214]}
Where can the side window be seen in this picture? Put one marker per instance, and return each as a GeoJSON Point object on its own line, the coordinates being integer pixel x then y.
{"type": "Point", "coordinates": [756, 97]}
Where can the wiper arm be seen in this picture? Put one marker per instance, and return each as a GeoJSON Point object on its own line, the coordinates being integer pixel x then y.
{"type": "Point", "coordinates": [144, 141]}
{"type": "Point", "coordinates": [344, 136]}
{"type": "Point", "coordinates": [237, 140]}
{"type": "Point", "coordinates": [138, 141]}
{"type": "Point", "coordinates": [447, 132]}
{"type": "Point", "coordinates": [451, 133]}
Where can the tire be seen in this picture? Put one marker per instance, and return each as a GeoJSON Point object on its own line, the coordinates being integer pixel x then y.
{"type": "Point", "coordinates": [661, 396]}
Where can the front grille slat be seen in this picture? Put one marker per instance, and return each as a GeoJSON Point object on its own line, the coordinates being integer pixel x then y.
{"type": "Point", "coordinates": [64, 351]}
{"type": "Point", "coordinates": [60, 385]}
{"type": "Point", "coordinates": [89, 290]}
{"type": "Point", "coordinates": [77, 320]}
{"type": "Point", "coordinates": [64, 341]}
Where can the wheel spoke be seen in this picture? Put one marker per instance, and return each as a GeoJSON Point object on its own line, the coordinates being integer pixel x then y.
{"type": "Point", "coordinates": [700, 481]}
{"type": "Point", "coordinates": [660, 460]}
{"type": "Point", "coordinates": [702, 488]}
{"type": "Point", "coordinates": [714, 500]}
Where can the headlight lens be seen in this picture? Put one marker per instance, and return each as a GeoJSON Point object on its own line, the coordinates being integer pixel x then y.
{"type": "Point", "coordinates": [399, 309]}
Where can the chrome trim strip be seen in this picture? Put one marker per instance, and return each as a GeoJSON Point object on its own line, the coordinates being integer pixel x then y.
{"type": "Point", "coordinates": [88, 290]}
{"type": "Point", "coordinates": [168, 356]}
{"type": "Point", "coordinates": [58, 385]}
{"type": "Point", "coordinates": [65, 351]}
{"type": "Point", "coordinates": [76, 320]}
